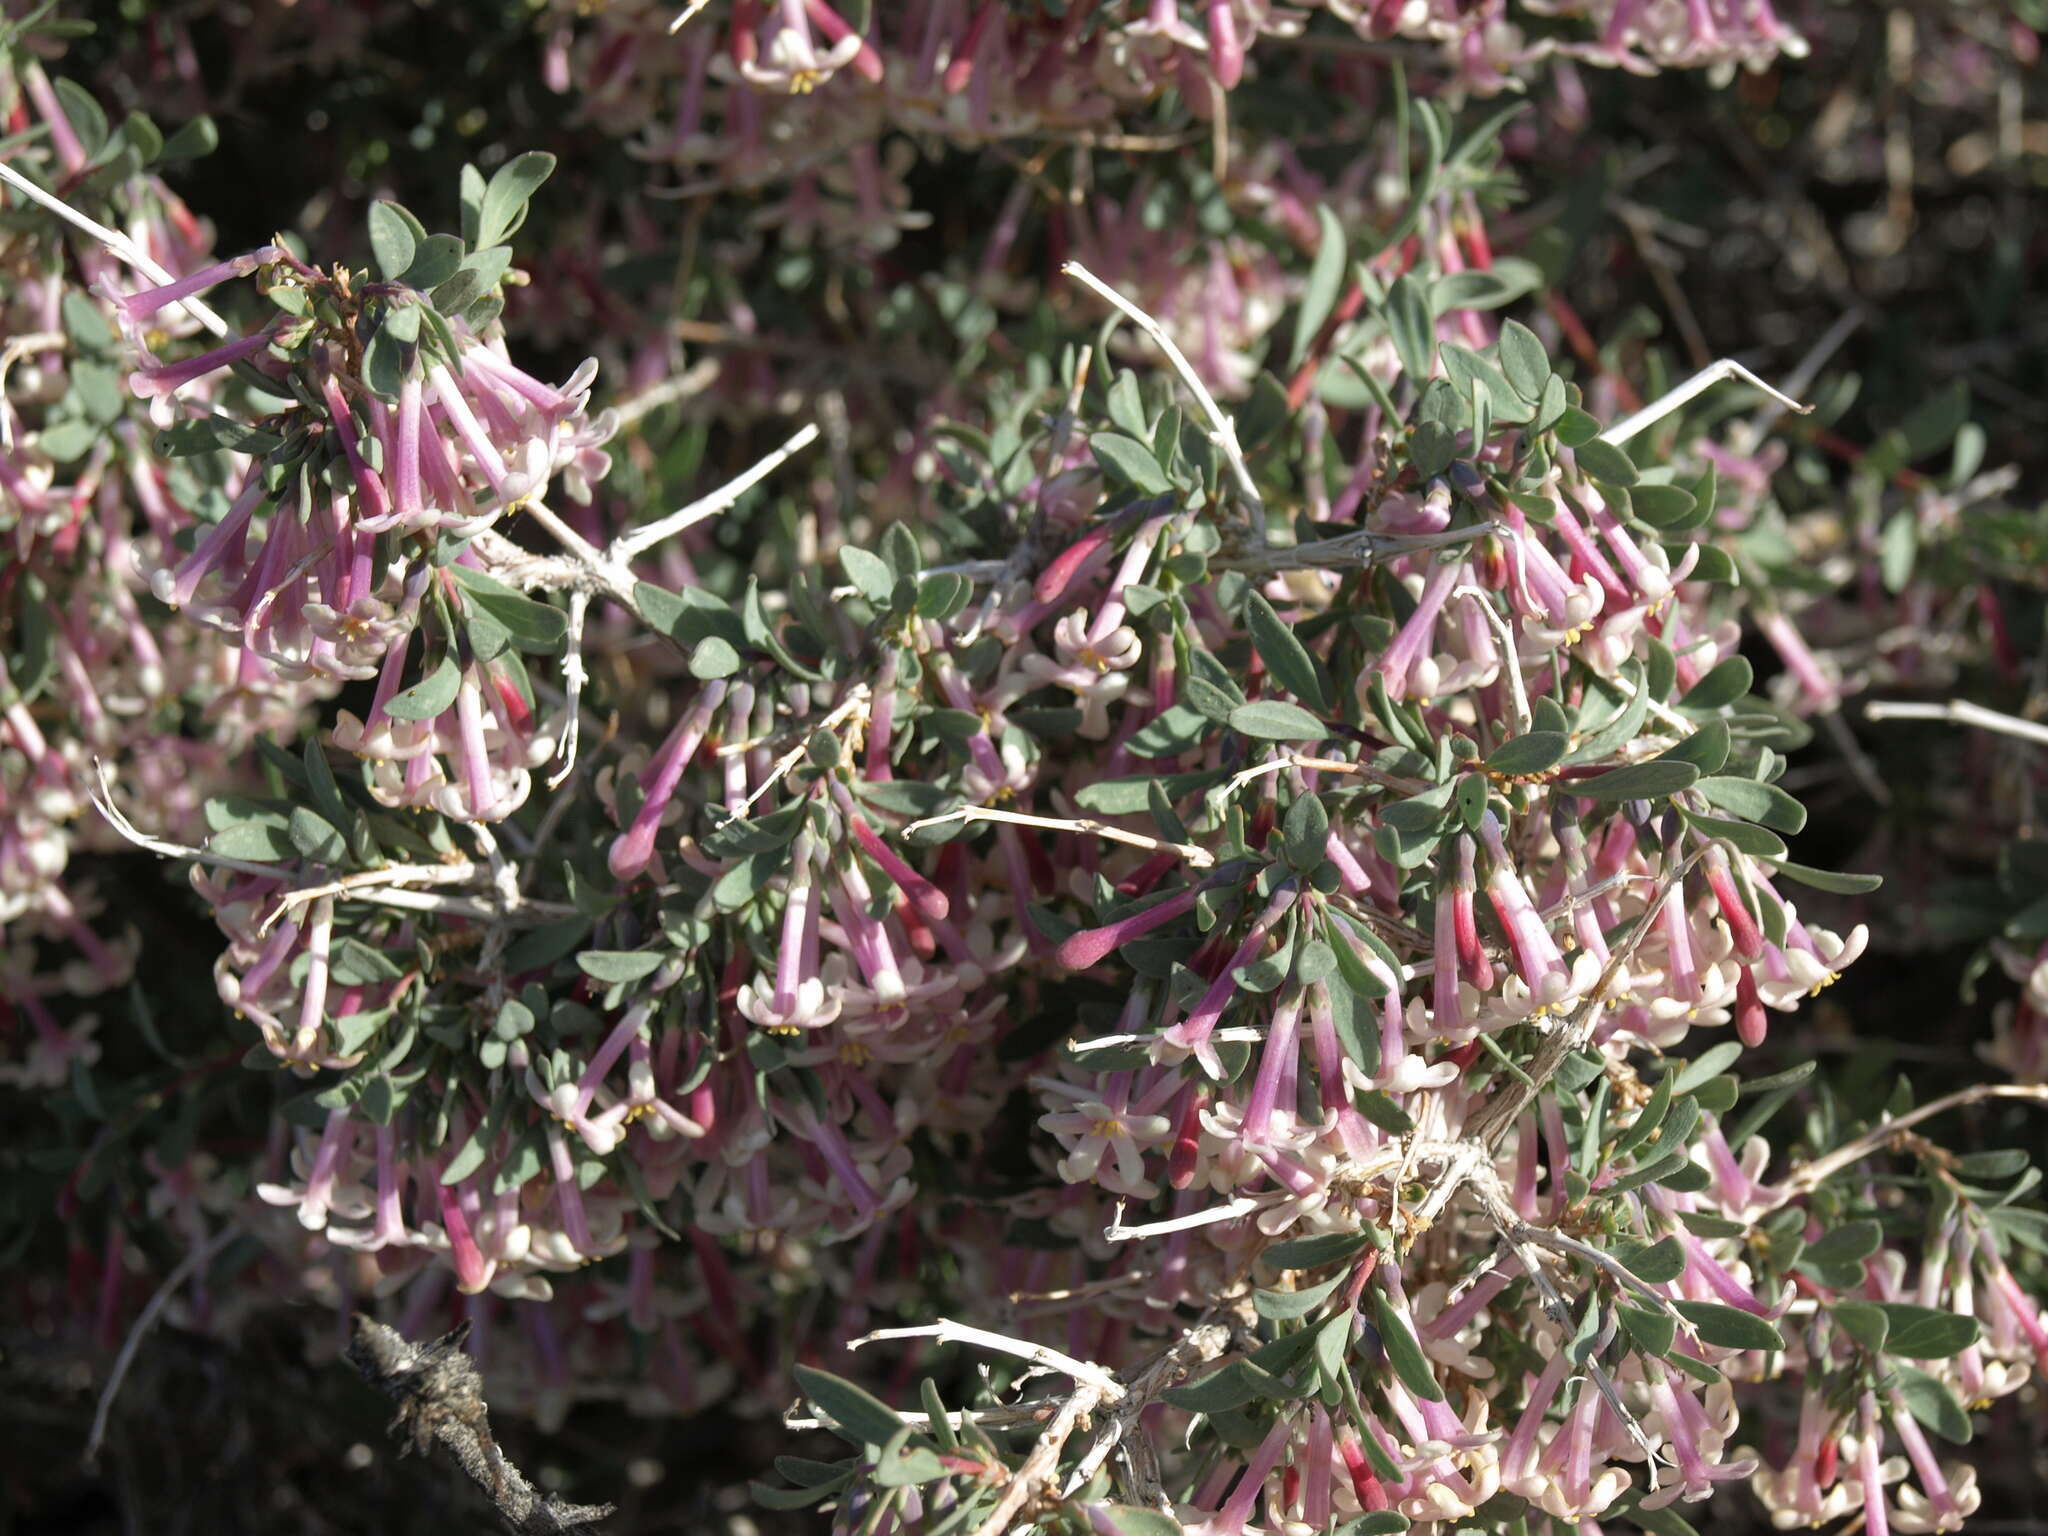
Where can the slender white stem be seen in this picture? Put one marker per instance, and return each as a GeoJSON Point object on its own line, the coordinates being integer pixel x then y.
{"type": "Point", "coordinates": [635, 541]}
{"type": "Point", "coordinates": [1692, 388]}
{"type": "Point", "coordinates": [1808, 1176]}
{"type": "Point", "coordinates": [1044, 1460]}
{"type": "Point", "coordinates": [1244, 776]}
{"type": "Point", "coordinates": [1801, 378]}
{"type": "Point", "coordinates": [114, 241]}
{"type": "Point", "coordinates": [1108, 1286]}
{"type": "Point", "coordinates": [573, 679]}
{"type": "Point", "coordinates": [504, 873]}
{"type": "Point", "coordinates": [1201, 858]}
{"type": "Point", "coordinates": [1958, 712]}
{"type": "Point", "coordinates": [1241, 1033]}
{"type": "Point", "coordinates": [855, 703]}
{"type": "Point", "coordinates": [678, 386]}
{"type": "Point", "coordinates": [1022, 1413]}
{"type": "Point", "coordinates": [1351, 551]}
{"type": "Point", "coordinates": [373, 886]}
{"type": "Point", "coordinates": [1123, 1424]}
{"type": "Point", "coordinates": [1221, 432]}
{"type": "Point", "coordinates": [16, 349]}
{"type": "Point", "coordinates": [614, 581]}
{"type": "Point", "coordinates": [461, 906]}
{"type": "Point", "coordinates": [188, 1266]}
{"type": "Point", "coordinates": [1340, 765]}
{"type": "Point", "coordinates": [1658, 707]}
{"type": "Point", "coordinates": [1510, 658]}
{"type": "Point", "coordinates": [391, 875]}
{"type": "Point", "coordinates": [946, 1331]}
{"type": "Point", "coordinates": [1243, 1205]}
{"type": "Point", "coordinates": [683, 16]}
{"type": "Point", "coordinates": [1572, 902]}
{"type": "Point", "coordinates": [103, 802]}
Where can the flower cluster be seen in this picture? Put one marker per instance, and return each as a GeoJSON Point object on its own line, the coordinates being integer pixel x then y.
{"type": "Point", "coordinates": [1244, 847]}
{"type": "Point", "coordinates": [90, 675]}
{"type": "Point", "coordinates": [406, 430]}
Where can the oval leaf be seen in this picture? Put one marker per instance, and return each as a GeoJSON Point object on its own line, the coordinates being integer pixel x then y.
{"type": "Point", "coordinates": [429, 696]}
{"type": "Point", "coordinates": [1926, 1333]}
{"type": "Point", "coordinates": [615, 965]}
{"type": "Point", "coordinates": [1290, 1304]}
{"type": "Point", "coordinates": [861, 1418]}
{"type": "Point", "coordinates": [1309, 1252]}
{"type": "Point", "coordinates": [1129, 462]}
{"type": "Point", "coordinates": [1764, 803]}
{"type": "Point", "coordinates": [1286, 658]}
{"type": "Point", "coordinates": [391, 240]}
{"type": "Point", "coordinates": [1403, 1353]}
{"type": "Point", "coordinates": [1277, 720]}
{"type": "Point", "coordinates": [1729, 1327]}
{"type": "Point", "coordinates": [1638, 781]}
{"type": "Point", "coordinates": [1529, 754]}
{"type": "Point", "coordinates": [1659, 1263]}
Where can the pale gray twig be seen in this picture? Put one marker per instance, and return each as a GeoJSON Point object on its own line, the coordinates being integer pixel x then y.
{"type": "Point", "coordinates": [1698, 384]}
{"type": "Point", "coordinates": [1958, 712]}
{"type": "Point", "coordinates": [193, 1262]}
{"type": "Point", "coordinates": [636, 541]}
{"type": "Point", "coordinates": [1200, 858]}
{"type": "Point", "coordinates": [1810, 1175]}
{"type": "Point", "coordinates": [114, 241]}
{"type": "Point", "coordinates": [1221, 432]}
{"type": "Point", "coordinates": [946, 1331]}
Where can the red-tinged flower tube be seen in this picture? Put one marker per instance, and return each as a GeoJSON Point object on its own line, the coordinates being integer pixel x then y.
{"type": "Point", "coordinates": [1752, 1022]}
{"type": "Point", "coordinates": [829, 22]}
{"type": "Point", "coordinates": [961, 70]}
{"type": "Point", "coordinates": [1365, 1484]}
{"type": "Point", "coordinates": [929, 900]}
{"type": "Point", "coordinates": [472, 1270]}
{"type": "Point", "coordinates": [1226, 51]}
{"type": "Point", "coordinates": [1090, 946]}
{"type": "Point", "coordinates": [1065, 568]}
{"type": "Point", "coordinates": [1537, 958]}
{"type": "Point", "coordinates": [1815, 686]}
{"type": "Point", "coordinates": [1742, 928]}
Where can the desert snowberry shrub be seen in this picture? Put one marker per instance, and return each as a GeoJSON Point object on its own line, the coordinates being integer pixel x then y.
{"type": "Point", "coordinates": [1229, 849]}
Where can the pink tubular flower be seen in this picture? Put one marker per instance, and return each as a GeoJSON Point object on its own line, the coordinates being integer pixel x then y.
{"type": "Point", "coordinates": [1276, 1063]}
{"type": "Point", "coordinates": [926, 897]}
{"type": "Point", "coordinates": [1537, 958]}
{"type": "Point", "coordinates": [473, 1271]}
{"type": "Point", "coordinates": [634, 849]}
{"type": "Point", "coordinates": [798, 996]}
{"type": "Point", "coordinates": [134, 311]}
{"type": "Point", "coordinates": [154, 379]}
{"type": "Point", "coordinates": [1413, 644]}
{"type": "Point", "coordinates": [1192, 1033]}
{"type": "Point", "coordinates": [1230, 1519]}
{"type": "Point", "coordinates": [1090, 946]}
{"type": "Point", "coordinates": [1226, 54]}
{"type": "Point", "coordinates": [1749, 942]}
{"type": "Point", "coordinates": [1683, 1426]}
{"type": "Point", "coordinates": [1817, 690]}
